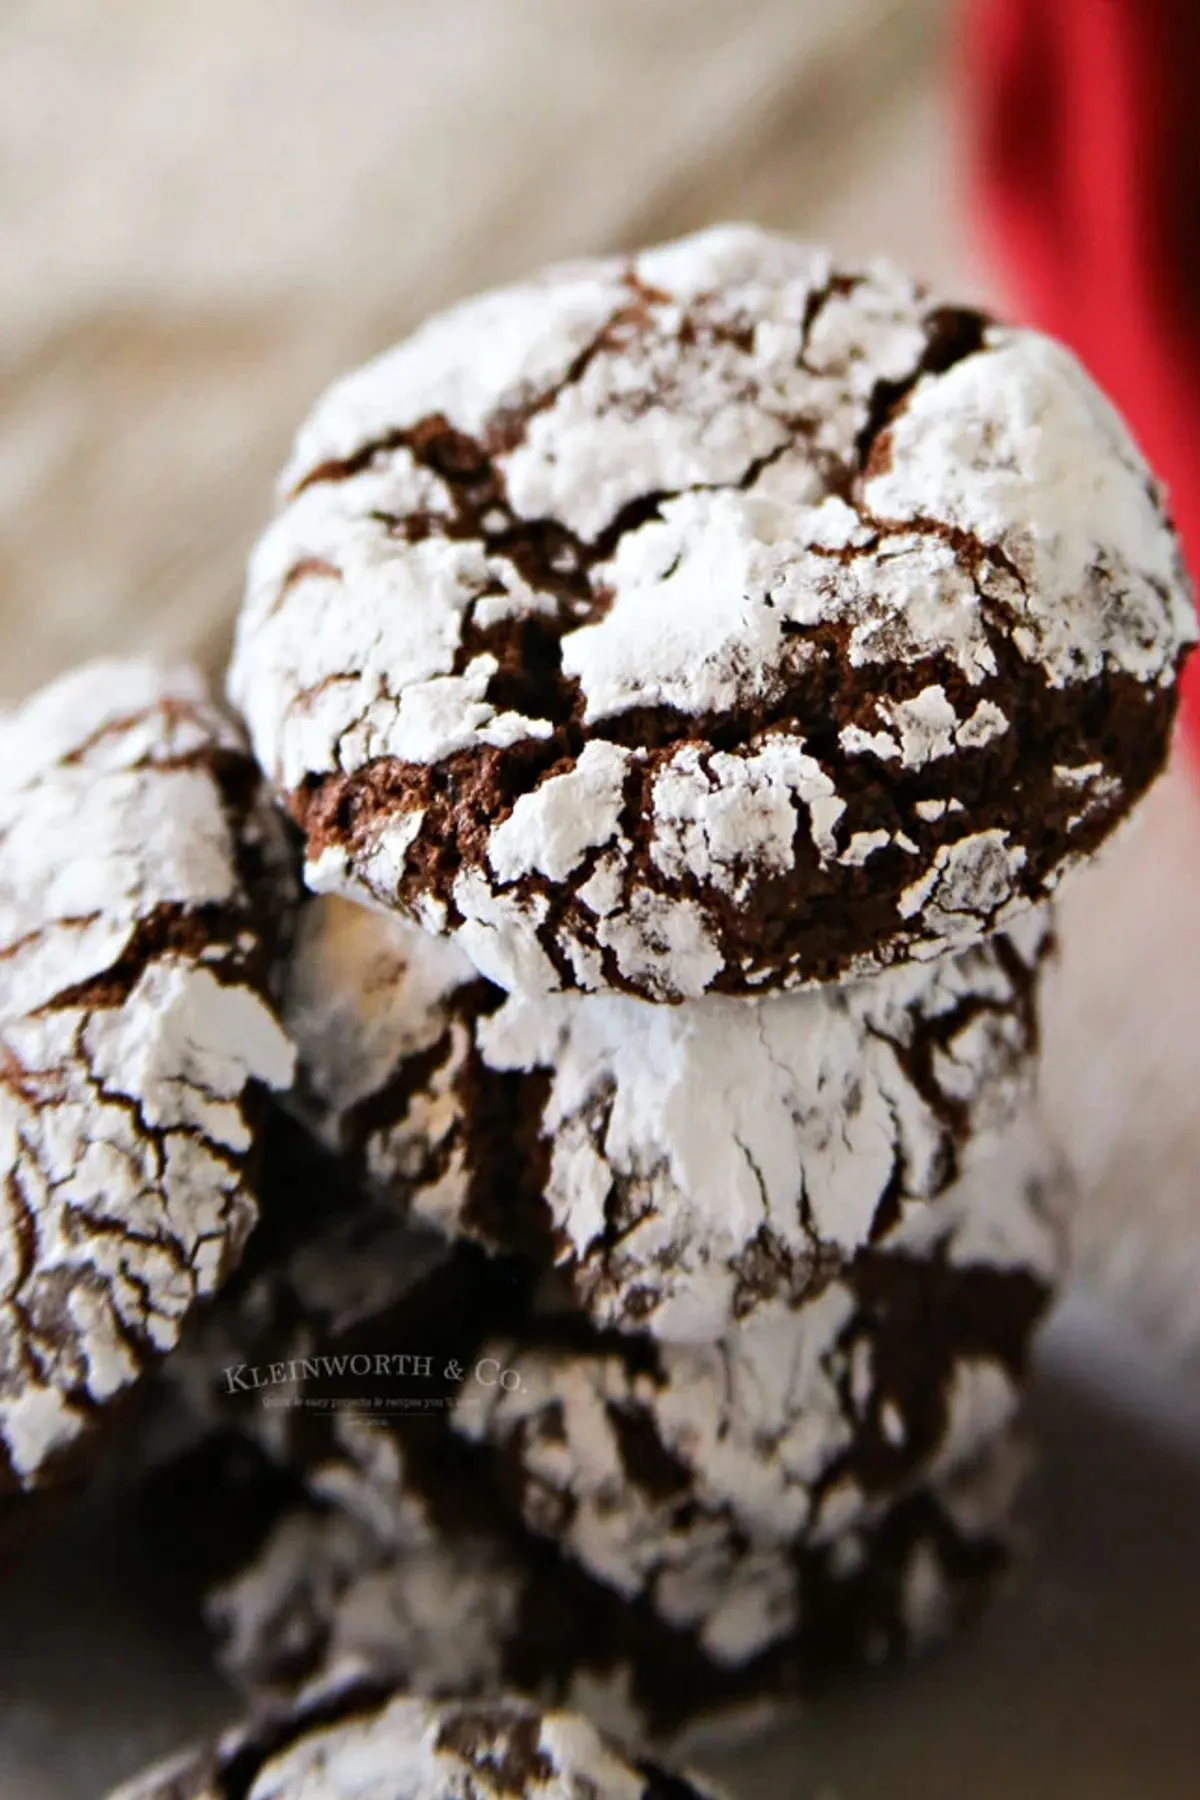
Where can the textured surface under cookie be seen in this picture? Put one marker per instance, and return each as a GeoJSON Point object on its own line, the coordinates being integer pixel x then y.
{"type": "Point", "coordinates": [712, 619]}
{"type": "Point", "coordinates": [679, 1475]}
{"type": "Point", "coordinates": [681, 1165]}
{"type": "Point", "coordinates": [142, 876]}
{"type": "Point", "coordinates": [439, 1592]}
{"type": "Point", "coordinates": [343, 1740]}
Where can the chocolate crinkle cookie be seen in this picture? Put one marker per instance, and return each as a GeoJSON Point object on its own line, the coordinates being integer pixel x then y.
{"type": "Point", "coordinates": [143, 884]}
{"type": "Point", "coordinates": [400, 1564]}
{"type": "Point", "coordinates": [681, 1474]}
{"type": "Point", "coordinates": [347, 1738]}
{"type": "Point", "coordinates": [545, 1503]}
{"type": "Point", "coordinates": [712, 619]}
{"type": "Point", "coordinates": [680, 1165]}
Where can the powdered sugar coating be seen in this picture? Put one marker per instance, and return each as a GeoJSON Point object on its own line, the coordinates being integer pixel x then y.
{"type": "Point", "coordinates": [701, 1492]}
{"type": "Point", "coordinates": [384, 1011]}
{"type": "Point", "coordinates": [383, 1018]}
{"type": "Point", "coordinates": [136, 857]}
{"type": "Point", "coordinates": [467, 1608]}
{"type": "Point", "coordinates": [679, 1479]}
{"type": "Point", "coordinates": [445, 1629]}
{"type": "Point", "coordinates": [626, 624]}
{"type": "Point", "coordinates": [682, 1165]}
{"type": "Point", "coordinates": [339, 1742]}
{"type": "Point", "coordinates": [707, 1526]}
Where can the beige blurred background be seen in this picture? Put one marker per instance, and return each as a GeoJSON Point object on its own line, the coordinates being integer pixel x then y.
{"type": "Point", "coordinates": [210, 207]}
{"type": "Point", "coordinates": [207, 209]}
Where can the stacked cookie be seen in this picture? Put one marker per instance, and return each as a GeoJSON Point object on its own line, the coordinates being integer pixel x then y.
{"type": "Point", "coordinates": [689, 678]}
{"type": "Point", "coordinates": [500, 1486]}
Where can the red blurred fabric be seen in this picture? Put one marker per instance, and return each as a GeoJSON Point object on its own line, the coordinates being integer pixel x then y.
{"type": "Point", "coordinates": [1085, 116]}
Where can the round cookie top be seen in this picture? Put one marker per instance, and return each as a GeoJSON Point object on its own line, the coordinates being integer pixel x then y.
{"type": "Point", "coordinates": [679, 1165]}
{"type": "Point", "coordinates": [141, 866]}
{"type": "Point", "coordinates": [342, 1741]}
{"type": "Point", "coordinates": [713, 619]}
